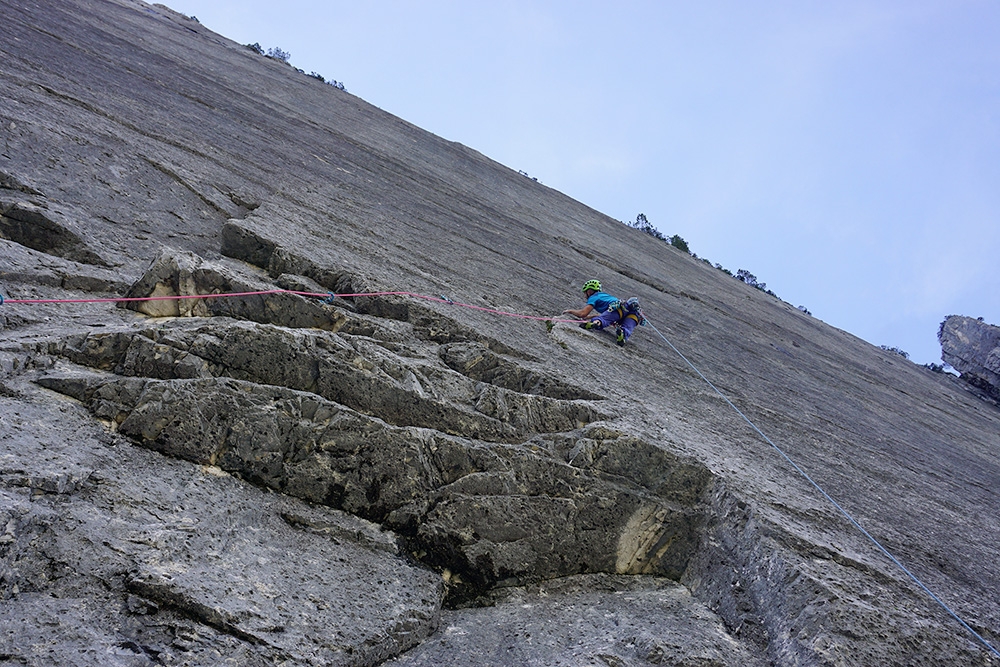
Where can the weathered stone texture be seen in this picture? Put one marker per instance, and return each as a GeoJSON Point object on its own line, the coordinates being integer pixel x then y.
{"type": "Point", "coordinates": [584, 620]}
{"type": "Point", "coordinates": [283, 479]}
{"type": "Point", "coordinates": [972, 347]}
{"type": "Point", "coordinates": [114, 555]}
{"type": "Point", "coordinates": [431, 464]}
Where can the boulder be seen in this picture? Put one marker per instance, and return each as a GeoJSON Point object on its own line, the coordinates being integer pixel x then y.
{"type": "Point", "coordinates": [175, 279]}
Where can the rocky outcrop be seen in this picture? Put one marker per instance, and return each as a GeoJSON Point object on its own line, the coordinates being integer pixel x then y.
{"type": "Point", "coordinates": [469, 455]}
{"type": "Point", "coordinates": [972, 348]}
{"type": "Point", "coordinates": [51, 232]}
{"type": "Point", "coordinates": [176, 279]}
{"type": "Point", "coordinates": [23, 266]}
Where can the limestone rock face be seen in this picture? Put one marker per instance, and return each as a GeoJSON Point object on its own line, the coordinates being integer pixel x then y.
{"type": "Point", "coordinates": [51, 232]}
{"type": "Point", "coordinates": [614, 620]}
{"type": "Point", "coordinates": [972, 347]}
{"type": "Point", "coordinates": [115, 555]}
{"type": "Point", "coordinates": [175, 278]}
{"type": "Point", "coordinates": [420, 469]}
{"type": "Point", "coordinates": [481, 478]}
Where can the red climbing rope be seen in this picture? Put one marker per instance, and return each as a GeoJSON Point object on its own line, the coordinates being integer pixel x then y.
{"type": "Point", "coordinates": [324, 295]}
{"type": "Point", "coordinates": [140, 298]}
{"type": "Point", "coordinates": [443, 299]}
{"type": "Point", "coordinates": [329, 296]}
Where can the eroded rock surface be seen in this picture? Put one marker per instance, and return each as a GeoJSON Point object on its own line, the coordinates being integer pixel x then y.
{"type": "Point", "coordinates": [584, 620]}
{"type": "Point", "coordinates": [285, 479]}
{"type": "Point", "coordinates": [51, 232]}
{"type": "Point", "coordinates": [120, 556]}
{"type": "Point", "coordinates": [972, 347]}
{"type": "Point", "coordinates": [492, 484]}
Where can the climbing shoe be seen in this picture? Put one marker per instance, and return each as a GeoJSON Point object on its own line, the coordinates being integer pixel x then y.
{"type": "Point", "coordinates": [620, 337]}
{"type": "Point", "coordinates": [592, 324]}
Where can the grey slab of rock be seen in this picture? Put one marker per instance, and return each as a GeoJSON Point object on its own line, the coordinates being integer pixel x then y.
{"type": "Point", "coordinates": [584, 620]}
{"type": "Point", "coordinates": [127, 128]}
{"type": "Point", "coordinates": [114, 551]}
{"type": "Point", "coordinates": [53, 232]}
{"type": "Point", "coordinates": [487, 512]}
{"type": "Point", "coordinates": [25, 266]}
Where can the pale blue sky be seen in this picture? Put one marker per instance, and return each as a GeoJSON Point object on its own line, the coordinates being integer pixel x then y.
{"type": "Point", "coordinates": [846, 153]}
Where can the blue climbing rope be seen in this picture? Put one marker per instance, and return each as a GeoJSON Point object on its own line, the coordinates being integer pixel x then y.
{"type": "Point", "coordinates": [822, 492]}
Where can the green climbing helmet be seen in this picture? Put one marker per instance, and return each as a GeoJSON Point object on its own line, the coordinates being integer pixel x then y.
{"type": "Point", "coordinates": [592, 284]}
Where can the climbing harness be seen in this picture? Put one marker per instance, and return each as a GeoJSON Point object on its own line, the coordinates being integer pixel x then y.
{"type": "Point", "coordinates": [632, 306]}
{"type": "Point", "coordinates": [628, 309]}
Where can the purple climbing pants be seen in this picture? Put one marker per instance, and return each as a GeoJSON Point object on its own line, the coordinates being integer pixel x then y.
{"type": "Point", "coordinates": [613, 316]}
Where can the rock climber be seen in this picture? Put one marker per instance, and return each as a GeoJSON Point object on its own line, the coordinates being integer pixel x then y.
{"type": "Point", "coordinates": [609, 310]}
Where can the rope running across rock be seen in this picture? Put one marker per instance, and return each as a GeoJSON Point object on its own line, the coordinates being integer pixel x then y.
{"type": "Point", "coordinates": [330, 296]}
